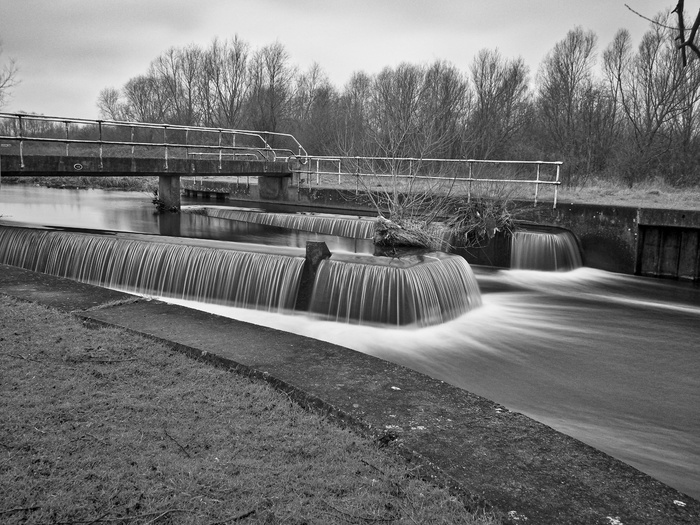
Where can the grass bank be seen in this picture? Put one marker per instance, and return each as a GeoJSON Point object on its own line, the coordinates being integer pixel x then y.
{"type": "Point", "coordinates": [103, 426]}
{"type": "Point", "coordinates": [649, 194]}
{"type": "Point", "coordinates": [104, 183]}
{"type": "Point", "coordinates": [653, 193]}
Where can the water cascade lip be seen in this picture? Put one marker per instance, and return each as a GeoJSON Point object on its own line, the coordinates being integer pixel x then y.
{"type": "Point", "coordinates": [418, 290]}
{"type": "Point", "coordinates": [355, 227]}
{"type": "Point", "coordinates": [214, 272]}
{"type": "Point", "coordinates": [541, 248]}
{"type": "Point", "coordinates": [415, 290]}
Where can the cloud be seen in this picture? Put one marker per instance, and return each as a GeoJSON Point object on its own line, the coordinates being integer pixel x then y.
{"type": "Point", "coordinates": [69, 50]}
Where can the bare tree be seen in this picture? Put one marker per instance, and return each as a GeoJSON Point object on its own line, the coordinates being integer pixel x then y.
{"type": "Point", "coordinates": [225, 79]}
{"type": "Point", "coordinates": [407, 116]}
{"type": "Point", "coordinates": [179, 73]}
{"type": "Point", "coordinates": [146, 99]}
{"type": "Point", "coordinates": [446, 99]}
{"type": "Point", "coordinates": [314, 102]}
{"type": "Point", "coordinates": [271, 78]}
{"type": "Point", "coordinates": [655, 92]}
{"type": "Point", "coordinates": [111, 106]}
{"type": "Point", "coordinates": [394, 114]}
{"type": "Point", "coordinates": [575, 110]}
{"type": "Point", "coordinates": [8, 78]}
{"type": "Point", "coordinates": [501, 101]}
{"type": "Point", "coordinates": [353, 115]}
{"type": "Point", "coordinates": [686, 41]}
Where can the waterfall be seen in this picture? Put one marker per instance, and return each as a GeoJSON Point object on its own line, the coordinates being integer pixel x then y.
{"type": "Point", "coordinates": [544, 250]}
{"type": "Point", "coordinates": [156, 267]}
{"type": "Point", "coordinates": [341, 226]}
{"type": "Point", "coordinates": [417, 290]}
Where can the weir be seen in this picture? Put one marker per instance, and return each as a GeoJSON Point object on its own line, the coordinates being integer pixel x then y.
{"type": "Point", "coordinates": [555, 250]}
{"type": "Point", "coordinates": [427, 289]}
{"type": "Point", "coordinates": [356, 289]}
{"type": "Point", "coordinates": [267, 281]}
{"type": "Point", "coordinates": [354, 227]}
{"type": "Point", "coordinates": [530, 247]}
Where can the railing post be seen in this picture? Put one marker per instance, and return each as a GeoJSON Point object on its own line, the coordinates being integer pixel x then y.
{"type": "Point", "coordinates": [165, 144]}
{"type": "Point", "coordinates": [219, 149]}
{"type": "Point", "coordinates": [469, 186]}
{"type": "Point", "coordinates": [556, 188]}
{"type": "Point", "coordinates": [537, 184]}
{"type": "Point", "coordinates": [67, 137]}
{"type": "Point", "coordinates": [99, 127]}
{"type": "Point", "coordinates": [132, 142]}
{"type": "Point", "coordinates": [21, 142]}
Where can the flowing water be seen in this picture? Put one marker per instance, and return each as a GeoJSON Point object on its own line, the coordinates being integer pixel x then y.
{"type": "Point", "coordinates": [355, 227]}
{"type": "Point", "coordinates": [414, 290]}
{"type": "Point", "coordinates": [553, 250]}
{"type": "Point", "coordinates": [149, 266]}
{"type": "Point", "coordinates": [612, 360]}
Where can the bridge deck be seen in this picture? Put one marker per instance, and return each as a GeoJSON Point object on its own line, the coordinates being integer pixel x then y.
{"type": "Point", "coordinates": [62, 165]}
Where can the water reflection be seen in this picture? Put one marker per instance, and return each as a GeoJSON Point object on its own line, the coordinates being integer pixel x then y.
{"type": "Point", "coordinates": [134, 212]}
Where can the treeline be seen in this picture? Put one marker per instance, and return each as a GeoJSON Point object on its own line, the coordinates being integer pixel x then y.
{"type": "Point", "coordinates": [629, 113]}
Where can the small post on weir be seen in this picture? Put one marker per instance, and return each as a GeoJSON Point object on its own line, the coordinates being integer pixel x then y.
{"type": "Point", "coordinates": [316, 252]}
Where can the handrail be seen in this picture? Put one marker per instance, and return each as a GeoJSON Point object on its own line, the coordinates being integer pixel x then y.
{"type": "Point", "coordinates": [313, 167]}
{"type": "Point", "coordinates": [265, 151]}
{"type": "Point", "coordinates": [66, 121]}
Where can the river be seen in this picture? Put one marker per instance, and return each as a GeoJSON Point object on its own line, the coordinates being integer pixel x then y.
{"type": "Point", "coordinates": [610, 359]}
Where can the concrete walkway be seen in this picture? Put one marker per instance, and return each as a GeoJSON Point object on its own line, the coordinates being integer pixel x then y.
{"type": "Point", "coordinates": [483, 451]}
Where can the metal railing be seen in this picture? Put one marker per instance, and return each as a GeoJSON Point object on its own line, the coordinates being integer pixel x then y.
{"type": "Point", "coordinates": [460, 175]}
{"type": "Point", "coordinates": [221, 143]}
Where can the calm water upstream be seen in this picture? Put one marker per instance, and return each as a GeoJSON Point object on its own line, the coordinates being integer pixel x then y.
{"type": "Point", "coordinates": [612, 360]}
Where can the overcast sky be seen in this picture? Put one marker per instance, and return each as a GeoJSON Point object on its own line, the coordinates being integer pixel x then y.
{"type": "Point", "coordinates": [68, 50]}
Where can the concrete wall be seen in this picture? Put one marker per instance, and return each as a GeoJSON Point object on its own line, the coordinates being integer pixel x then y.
{"type": "Point", "coordinates": [608, 235]}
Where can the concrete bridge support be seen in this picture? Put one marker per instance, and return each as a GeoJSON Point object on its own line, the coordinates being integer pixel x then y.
{"type": "Point", "coordinates": [169, 192]}
{"type": "Point", "coordinates": [274, 188]}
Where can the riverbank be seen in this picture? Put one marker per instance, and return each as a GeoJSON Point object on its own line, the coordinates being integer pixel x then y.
{"type": "Point", "coordinates": [147, 184]}
{"type": "Point", "coordinates": [485, 452]}
{"type": "Point", "coordinates": [649, 194]}
{"type": "Point", "coordinates": [108, 426]}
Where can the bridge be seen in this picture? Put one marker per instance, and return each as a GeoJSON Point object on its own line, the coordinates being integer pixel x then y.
{"type": "Point", "coordinates": [39, 145]}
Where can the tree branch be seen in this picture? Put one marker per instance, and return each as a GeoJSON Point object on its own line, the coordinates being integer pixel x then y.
{"type": "Point", "coordinates": [655, 22]}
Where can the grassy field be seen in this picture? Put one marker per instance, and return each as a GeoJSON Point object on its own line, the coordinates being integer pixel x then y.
{"type": "Point", "coordinates": [650, 194]}
{"type": "Point", "coordinates": [102, 426]}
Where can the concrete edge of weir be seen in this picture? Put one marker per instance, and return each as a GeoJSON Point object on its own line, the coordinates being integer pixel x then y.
{"type": "Point", "coordinates": [489, 456]}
